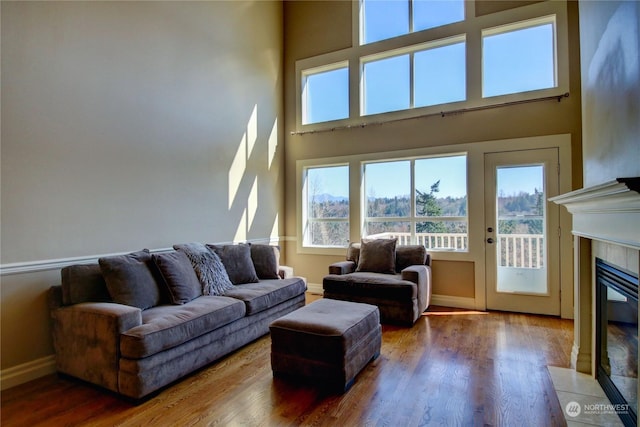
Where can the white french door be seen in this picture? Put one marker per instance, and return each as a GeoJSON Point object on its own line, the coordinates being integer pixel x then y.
{"type": "Point", "coordinates": [522, 238]}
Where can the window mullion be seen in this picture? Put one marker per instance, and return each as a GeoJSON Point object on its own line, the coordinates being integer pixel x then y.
{"type": "Point", "coordinates": [413, 202]}
{"type": "Point", "coordinates": [411, 81]}
{"type": "Point", "coordinates": [410, 16]}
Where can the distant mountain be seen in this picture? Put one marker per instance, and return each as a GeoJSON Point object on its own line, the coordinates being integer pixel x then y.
{"type": "Point", "coordinates": [324, 198]}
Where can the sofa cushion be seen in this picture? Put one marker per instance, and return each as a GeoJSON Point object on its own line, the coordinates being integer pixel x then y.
{"type": "Point", "coordinates": [378, 256]}
{"type": "Point", "coordinates": [237, 261]}
{"type": "Point", "coordinates": [180, 280]}
{"type": "Point", "coordinates": [208, 267]}
{"type": "Point", "coordinates": [407, 255]}
{"type": "Point", "coordinates": [83, 283]}
{"type": "Point", "coordinates": [167, 326]}
{"type": "Point", "coordinates": [375, 285]}
{"type": "Point", "coordinates": [266, 260]}
{"type": "Point", "coordinates": [267, 293]}
{"type": "Point", "coordinates": [130, 279]}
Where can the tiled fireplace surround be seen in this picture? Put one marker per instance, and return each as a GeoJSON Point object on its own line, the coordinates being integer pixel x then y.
{"type": "Point", "coordinates": [606, 225]}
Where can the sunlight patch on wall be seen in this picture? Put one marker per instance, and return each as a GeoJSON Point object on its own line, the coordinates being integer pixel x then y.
{"type": "Point", "coordinates": [237, 169]}
{"type": "Point", "coordinates": [241, 231]}
{"type": "Point", "coordinates": [273, 143]}
{"type": "Point", "coordinates": [252, 202]}
{"type": "Point", "coordinates": [252, 131]}
{"type": "Point", "coordinates": [275, 230]}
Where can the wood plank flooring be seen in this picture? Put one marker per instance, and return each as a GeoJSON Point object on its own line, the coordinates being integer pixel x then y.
{"type": "Point", "coordinates": [453, 368]}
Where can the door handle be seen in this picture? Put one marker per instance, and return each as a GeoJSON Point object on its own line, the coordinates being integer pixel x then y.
{"type": "Point", "coordinates": [490, 240]}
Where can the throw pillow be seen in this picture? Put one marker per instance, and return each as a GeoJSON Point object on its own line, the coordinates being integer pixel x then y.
{"type": "Point", "coordinates": [130, 280]}
{"type": "Point", "coordinates": [378, 256]}
{"type": "Point", "coordinates": [266, 260]}
{"type": "Point", "coordinates": [178, 275]}
{"type": "Point", "coordinates": [208, 267]}
{"type": "Point", "coordinates": [237, 261]}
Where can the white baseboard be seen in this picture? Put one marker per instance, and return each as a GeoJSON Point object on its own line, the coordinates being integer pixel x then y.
{"type": "Point", "coordinates": [455, 302]}
{"type": "Point", "coordinates": [26, 372]}
{"type": "Point", "coordinates": [315, 288]}
{"type": "Point", "coordinates": [444, 300]}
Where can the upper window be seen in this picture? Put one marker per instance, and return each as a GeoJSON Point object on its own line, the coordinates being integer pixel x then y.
{"type": "Point", "coordinates": [325, 93]}
{"type": "Point", "coordinates": [424, 203]}
{"type": "Point", "coordinates": [419, 76]}
{"type": "Point", "coordinates": [326, 206]}
{"type": "Point", "coordinates": [384, 19]}
{"type": "Point", "coordinates": [519, 57]}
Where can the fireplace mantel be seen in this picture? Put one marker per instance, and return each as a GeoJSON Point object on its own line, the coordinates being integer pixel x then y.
{"type": "Point", "coordinates": [609, 212]}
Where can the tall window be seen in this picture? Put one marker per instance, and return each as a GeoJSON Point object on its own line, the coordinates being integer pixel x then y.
{"type": "Point", "coordinates": [519, 57]}
{"type": "Point", "coordinates": [424, 203]}
{"type": "Point", "coordinates": [326, 206]}
{"type": "Point", "coordinates": [325, 93]}
{"type": "Point", "coordinates": [418, 76]}
{"type": "Point", "coordinates": [384, 19]}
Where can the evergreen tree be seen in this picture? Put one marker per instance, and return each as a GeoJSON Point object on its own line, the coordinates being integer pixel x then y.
{"type": "Point", "coordinates": [427, 205]}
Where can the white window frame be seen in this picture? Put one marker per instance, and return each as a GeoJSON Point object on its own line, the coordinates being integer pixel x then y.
{"type": "Point", "coordinates": [472, 28]}
{"type": "Point", "coordinates": [523, 25]}
{"type": "Point", "coordinates": [305, 74]}
{"type": "Point", "coordinates": [412, 218]}
{"type": "Point", "coordinates": [411, 51]}
{"type": "Point", "coordinates": [306, 220]}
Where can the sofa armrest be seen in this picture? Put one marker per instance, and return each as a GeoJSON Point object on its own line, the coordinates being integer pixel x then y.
{"type": "Point", "coordinates": [342, 267]}
{"type": "Point", "coordinates": [86, 339]}
{"type": "Point", "coordinates": [285, 272]}
{"type": "Point", "coordinates": [420, 275]}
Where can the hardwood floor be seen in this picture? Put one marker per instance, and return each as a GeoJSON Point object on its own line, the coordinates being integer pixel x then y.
{"type": "Point", "coordinates": [453, 368]}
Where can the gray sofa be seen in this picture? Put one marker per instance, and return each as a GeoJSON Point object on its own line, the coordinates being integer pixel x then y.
{"type": "Point", "coordinates": [137, 322]}
{"type": "Point", "coordinates": [396, 279]}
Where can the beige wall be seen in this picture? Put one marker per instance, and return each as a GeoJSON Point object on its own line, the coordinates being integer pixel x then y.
{"type": "Point", "coordinates": [609, 45]}
{"type": "Point", "coordinates": [128, 125]}
{"type": "Point", "coordinates": [314, 28]}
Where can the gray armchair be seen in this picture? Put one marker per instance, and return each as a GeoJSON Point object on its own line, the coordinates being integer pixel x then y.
{"type": "Point", "coordinates": [396, 279]}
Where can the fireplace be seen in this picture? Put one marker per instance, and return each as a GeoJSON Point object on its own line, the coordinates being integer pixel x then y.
{"type": "Point", "coordinates": [604, 224]}
{"type": "Point", "coordinates": [617, 338]}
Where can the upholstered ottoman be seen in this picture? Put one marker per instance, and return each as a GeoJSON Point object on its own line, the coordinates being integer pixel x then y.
{"type": "Point", "coordinates": [327, 341]}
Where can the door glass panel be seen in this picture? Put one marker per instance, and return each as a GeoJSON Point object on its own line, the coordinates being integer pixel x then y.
{"type": "Point", "coordinates": [520, 203]}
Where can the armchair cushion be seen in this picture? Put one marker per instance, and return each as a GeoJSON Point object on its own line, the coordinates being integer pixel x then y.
{"type": "Point", "coordinates": [377, 256]}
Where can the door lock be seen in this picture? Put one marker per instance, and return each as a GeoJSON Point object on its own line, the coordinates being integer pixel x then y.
{"type": "Point", "coordinates": [490, 240]}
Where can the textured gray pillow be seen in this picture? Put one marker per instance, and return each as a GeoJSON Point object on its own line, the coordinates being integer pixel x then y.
{"type": "Point", "coordinates": [208, 267]}
{"type": "Point", "coordinates": [378, 256]}
{"type": "Point", "coordinates": [237, 261]}
{"type": "Point", "coordinates": [130, 279]}
{"type": "Point", "coordinates": [178, 275]}
{"type": "Point", "coordinates": [266, 260]}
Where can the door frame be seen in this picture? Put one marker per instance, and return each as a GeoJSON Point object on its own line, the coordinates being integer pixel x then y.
{"type": "Point", "coordinates": [549, 302]}
{"type": "Point", "coordinates": [477, 220]}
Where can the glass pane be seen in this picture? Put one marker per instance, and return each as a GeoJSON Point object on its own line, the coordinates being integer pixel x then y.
{"type": "Point", "coordinates": [442, 235]}
{"type": "Point", "coordinates": [388, 189]}
{"type": "Point", "coordinates": [441, 186]}
{"type": "Point", "coordinates": [328, 192]}
{"type": "Point", "coordinates": [439, 75]}
{"type": "Point", "coordinates": [384, 19]}
{"type": "Point", "coordinates": [434, 13]}
{"type": "Point", "coordinates": [386, 85]}
{"type": "Point", "coordinates": [520, 239]}
{"type": "Point", "coordinates": [328, 233]}
{"type": "Point", "coordinates": [325, 96]}
{"type": "Point", "coordinates": [390, 229]}
{"type": "Point", "coordinates": [518, 61]}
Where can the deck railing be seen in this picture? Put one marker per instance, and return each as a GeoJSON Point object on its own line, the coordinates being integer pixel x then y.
{"type": "Point", "coordinates": [516, 250]}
